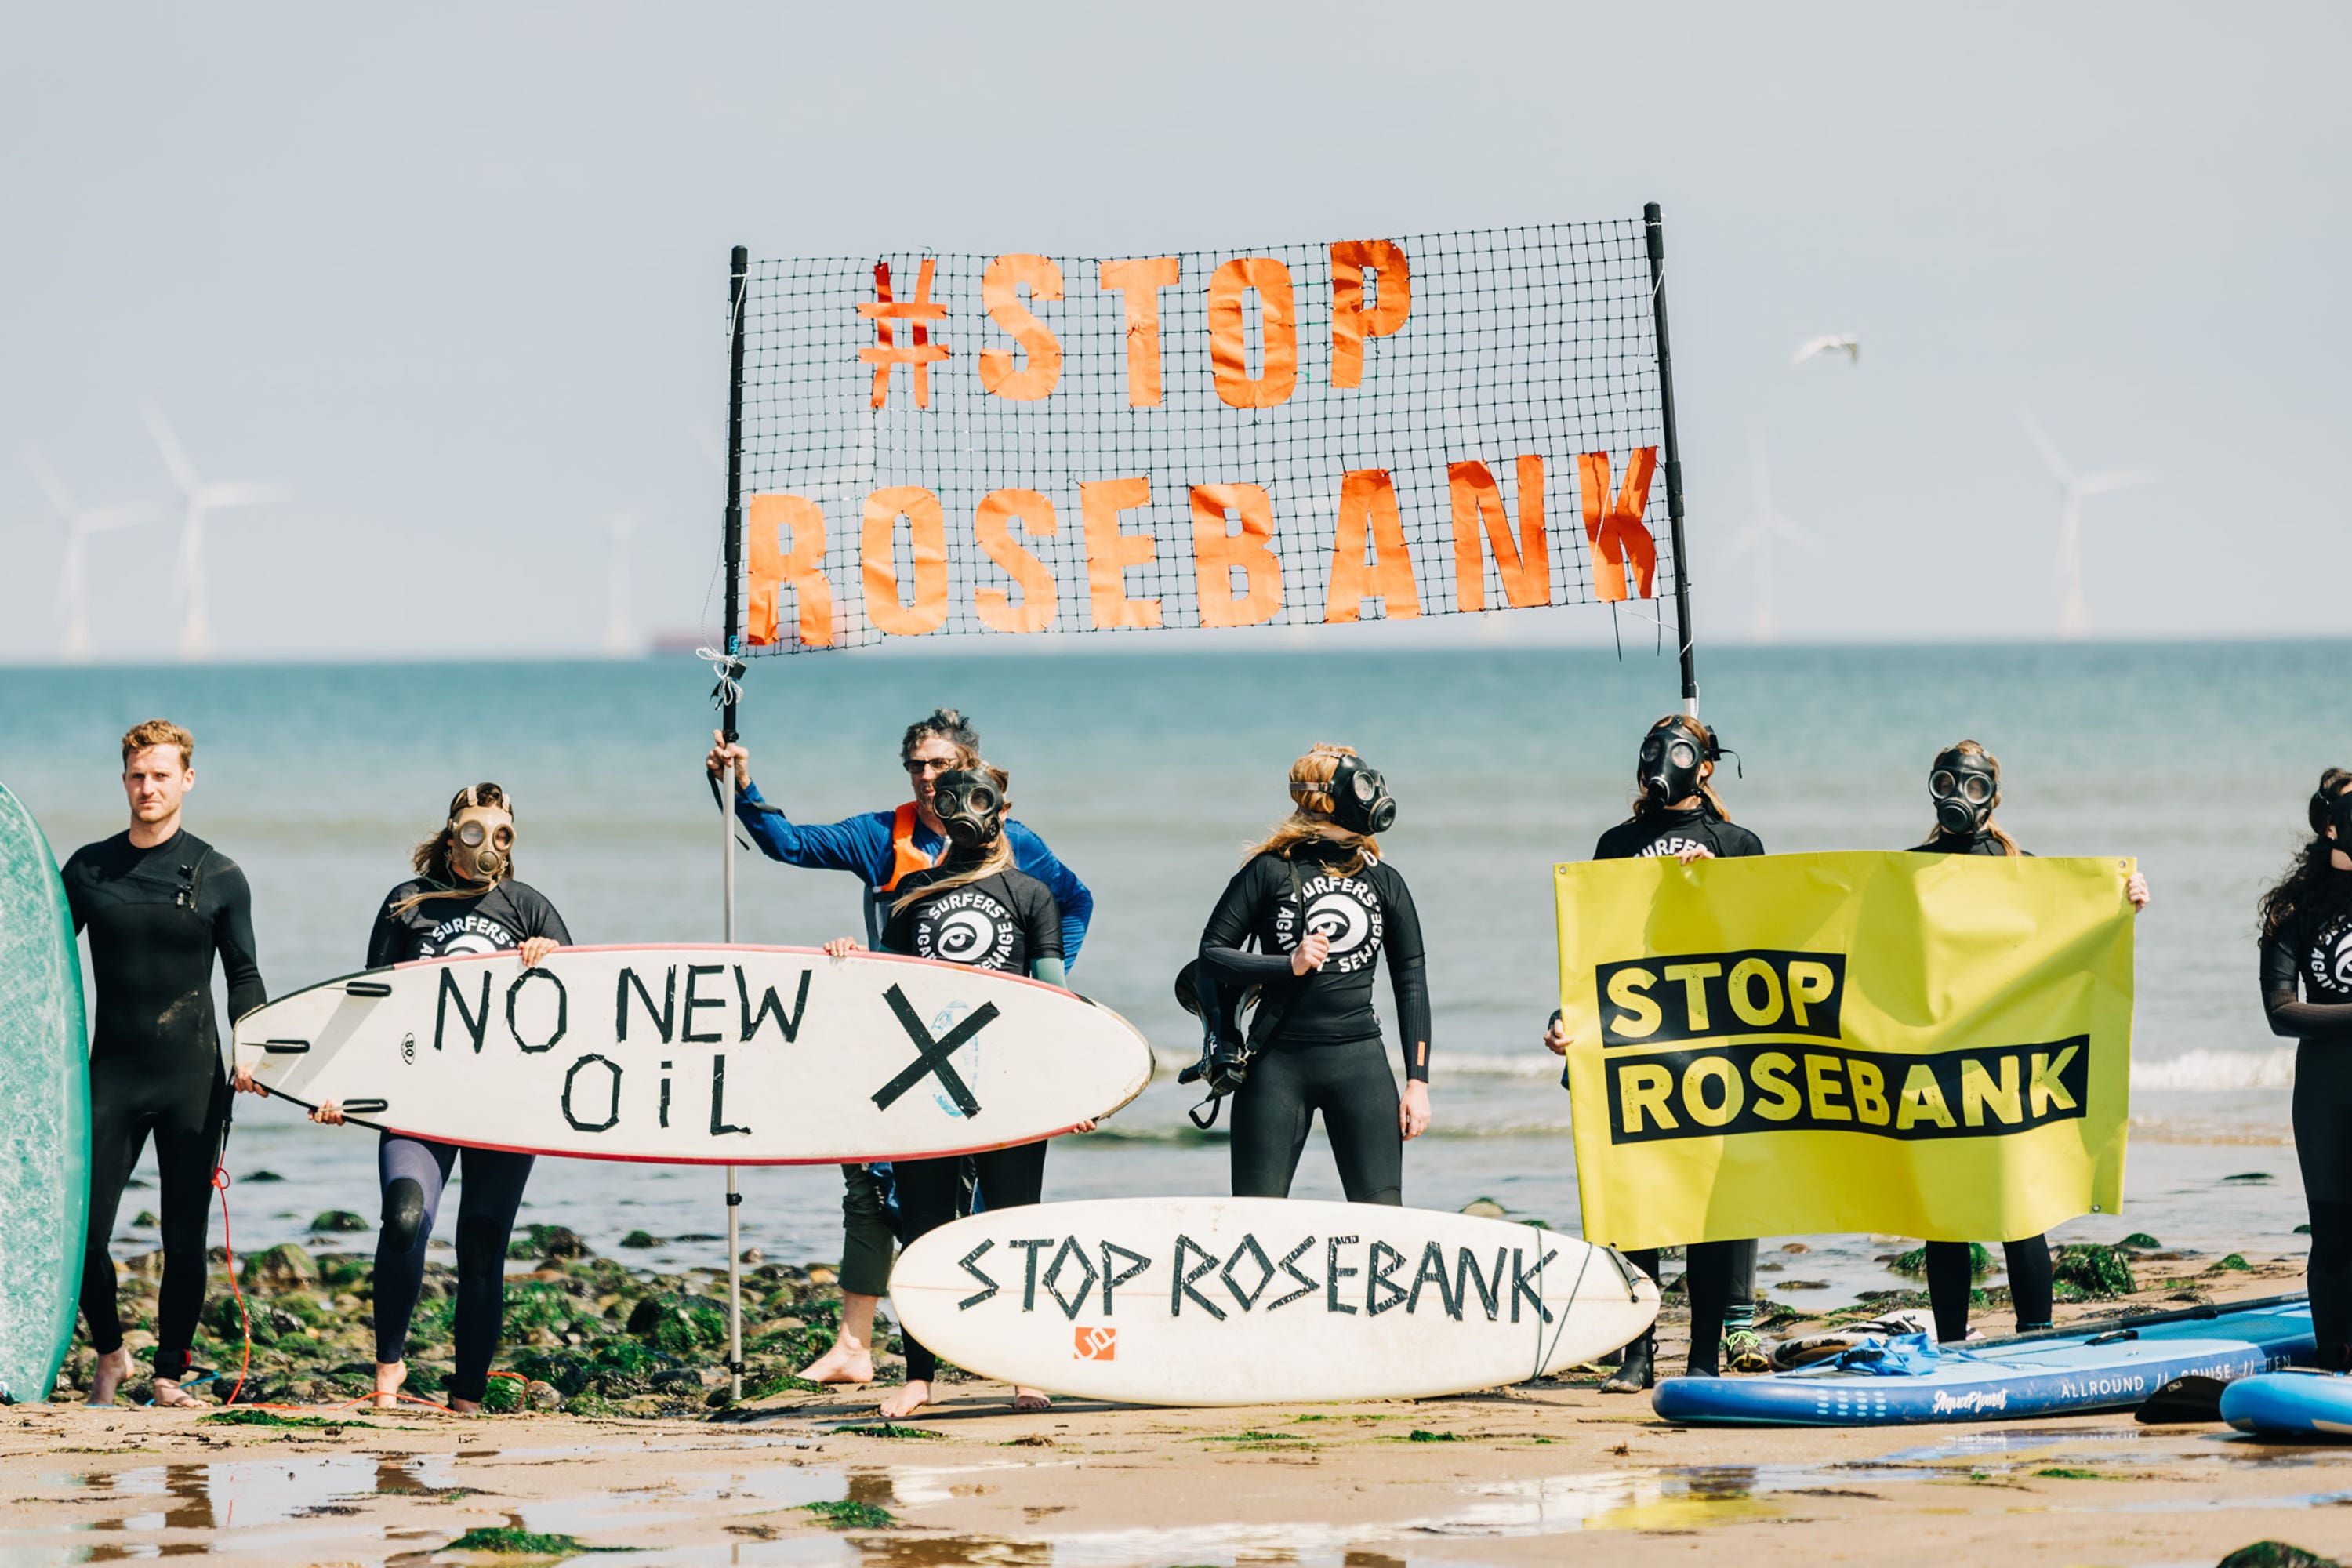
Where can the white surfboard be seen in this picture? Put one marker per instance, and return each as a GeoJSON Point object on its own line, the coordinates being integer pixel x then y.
{"type": "Point", "coordinates": [1262, 1301]}
{"type": "Point", "coordinates": [712, 1055]}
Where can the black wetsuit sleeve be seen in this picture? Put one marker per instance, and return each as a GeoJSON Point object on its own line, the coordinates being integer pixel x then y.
{"type": "Point", "coordinates": [1041, 918]}
{"type": "Point", "coordinates": [385, 935]}
{"type": "Point", "coordinates": [233, 937]}
{"type": "Point", "coordinates": [1231, 922]}
{"type": "Point", "coordinates": [1402, 949]}
{"type": "Point", "coordinates": [2288, 1016]}
{"type": "Point", "coordinates": [540, 916]}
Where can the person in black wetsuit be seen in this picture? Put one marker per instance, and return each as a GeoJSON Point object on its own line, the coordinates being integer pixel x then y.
{"type": "Point", "coordinates": [1964, 784]}
{"type": "Point", "coordinates": [976, 906]}
{"type": "Point", "coordinates": [157, 902]}
{"type": "Point", "coordinates": [1678, 813]}
{"type": "Point", "coordinates": [1322, 906]}
{"type": "Point", "coordinates": [2307, 940]}
{"type": "Point", "coordinates": [464, 898]}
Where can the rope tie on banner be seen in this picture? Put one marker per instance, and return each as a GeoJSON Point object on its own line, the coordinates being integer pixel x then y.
{"type": "Point", "coordinates": [729, 672]}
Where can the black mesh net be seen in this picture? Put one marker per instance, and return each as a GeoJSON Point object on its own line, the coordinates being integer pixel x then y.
{"type": "Point", "coordinates": [1168, 457]}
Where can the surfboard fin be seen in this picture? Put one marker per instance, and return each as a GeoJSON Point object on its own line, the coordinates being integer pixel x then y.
{"type": "Point", "coordinates": [2191, 1398]}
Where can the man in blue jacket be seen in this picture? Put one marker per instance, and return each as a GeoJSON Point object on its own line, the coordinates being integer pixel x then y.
{"type": "Point", "coordinates": [880, 848]}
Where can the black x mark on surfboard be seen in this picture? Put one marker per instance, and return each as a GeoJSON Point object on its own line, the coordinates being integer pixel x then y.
{"type": "Point", "coordinates": [935, 1054]}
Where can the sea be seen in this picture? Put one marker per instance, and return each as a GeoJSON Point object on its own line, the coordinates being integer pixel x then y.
{"type": "Point", "coordinates": [1148, 771]}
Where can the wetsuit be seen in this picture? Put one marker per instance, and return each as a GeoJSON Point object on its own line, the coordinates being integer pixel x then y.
{"type": "Point", "coordinates": [415, 1171]}
{"type": "Point", "coordinates": [1004, 922]}
{"type": "Point", "coordinates": [1315, 1039]}
{"type": "Point", "coordinates": [155, 918]}
{"type": "Point", "coordinates": [1718, 1277]}
{"type": "Point", "coordinates": [2314, 949]}
{"type": "Point", "coordinates": [867, 848]}
{"type": "Point", "coordinates": [1950, 1273]}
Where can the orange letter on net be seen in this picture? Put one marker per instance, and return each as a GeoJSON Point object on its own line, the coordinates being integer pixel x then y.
{"type": "Point", "coordinates": [1613, 525]}
{"type": "Point", "coordinates": [1217, 553]}
{"type": "Point", "coordinates": [1279, 324]}
{"type": "Point", "coordinates": [1351, 322]}
{"type": "Point", "coordinates": [1367, 506]}
{"type": "Point", "coordinates": [928, 532]}
{"type": "Point", "coordinates": [1111, 552]}
{"type": "Point", "coordinates": [1140, 282]}
{"type": "Point", "coordinates": [1524, 566]}
{"type": "Point", "coordinates": [993, 527]}
{"type": "Point", "coordinates": [1000, 289]}
{"type": "Point", "coordinates": [775, 569]}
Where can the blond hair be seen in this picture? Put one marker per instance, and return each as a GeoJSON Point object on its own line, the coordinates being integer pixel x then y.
{"type": "Point", "coordinates": [996, 858]}
{"type": "Point", "coordinates": [1310, 780]}
{"type": "Point", "coordinates": [159, 733]}
{"type": "Point", "coordinates": [1992, 765]}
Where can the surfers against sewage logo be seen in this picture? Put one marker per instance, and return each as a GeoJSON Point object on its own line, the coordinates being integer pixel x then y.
{"type": "Point", "coordinates": [2328, 964]}
{"type": "Point", "coordinates": [966, 926]}
{"type": "Point", "coordinates": [1344, 911]}
{"type": "Point", "coordinates": [1756, 1046]}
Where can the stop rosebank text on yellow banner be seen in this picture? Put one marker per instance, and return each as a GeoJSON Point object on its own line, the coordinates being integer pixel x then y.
{"type": "Point", "coordinates": [1929, 1046]}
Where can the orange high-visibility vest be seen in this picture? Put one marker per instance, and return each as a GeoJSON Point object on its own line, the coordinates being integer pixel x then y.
{"type": "Point", "coordinates": [905, 858]}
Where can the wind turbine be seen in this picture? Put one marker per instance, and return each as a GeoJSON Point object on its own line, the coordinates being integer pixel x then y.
{"type": "Point", "coordinates": [619, 635]}
{"type": "Point", "coordinates": [1829, 344]}
{"type": "Point", "coordinates": [2074, 489]}
{"type": "Point", "coordinates": [203, 500]}
{"type": "Point", "coordinates": [73, 585]}
{"type": "Point", "coordinates": [1765, 526]}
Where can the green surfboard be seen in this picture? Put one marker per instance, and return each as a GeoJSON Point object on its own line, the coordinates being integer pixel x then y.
{"type": "Point", "coordinates": [44, 1111]}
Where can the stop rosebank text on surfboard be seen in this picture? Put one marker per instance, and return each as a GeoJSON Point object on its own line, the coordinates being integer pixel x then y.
{"type": "Point", "coordinates": [1068, 1276]}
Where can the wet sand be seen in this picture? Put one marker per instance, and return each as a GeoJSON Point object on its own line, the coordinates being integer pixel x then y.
{"type": "Point", "coordinates": [1540, 1473]}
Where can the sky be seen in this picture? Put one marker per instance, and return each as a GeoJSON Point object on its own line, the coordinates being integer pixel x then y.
{"type": "Point", "coordinates": [455, 275]}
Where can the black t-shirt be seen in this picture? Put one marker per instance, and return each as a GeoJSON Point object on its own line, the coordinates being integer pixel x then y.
{"type": "Point", "coordinates": [449, 925]}
{"type": "Point", "coordinates": [1977, 843]}
{"type": "Point", "coordinates": [1006, 920]}
{"type": "Point", "coordinates": [1363, 915]}
{"type": "Point", "coordinates": [2314, 951]}
{"type": "Point", "coordinates": [155, 918]}
{"type": "Point", "coordinates": [1670, 832]}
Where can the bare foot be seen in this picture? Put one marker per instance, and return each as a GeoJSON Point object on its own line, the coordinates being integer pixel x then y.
{"type": "Point", "coordinates": [389, 1376]}
{"type": "Point", "coordinates": [108, 1375]}
{"type": "Point", "coordinates": [847, 1362]}
{"type": "Point", "coordinates": [913, 1396]}
{"type": "Point", "coordinates": [170, 1396]}
{"type": "Point", "coordinates": [1030, 1401]}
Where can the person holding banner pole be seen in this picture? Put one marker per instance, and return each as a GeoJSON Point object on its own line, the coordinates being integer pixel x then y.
{"type": "Point", "coordinates": [1001, 918]}
{"type": "Point", "coordinates": [1964, 784]}
{"type": "Point", "coordinates": [1678, 813]}
{"type": "Point", "coordinates": [2306, 936]}
{"type": "Point", "coordinates": [881, 850]}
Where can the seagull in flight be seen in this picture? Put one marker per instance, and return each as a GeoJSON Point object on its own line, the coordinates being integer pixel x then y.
{"type": "Point", "coordinates": [1830, 344]}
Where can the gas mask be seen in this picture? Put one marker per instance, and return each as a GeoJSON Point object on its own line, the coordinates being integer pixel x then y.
{"type": "Point", "coordinates": [969, 807]}
{"type": "Point", "coordinates": [481, 841]}
{"type": "Point", "coordinates": [1671, 755]}
{"type": "Point", "coordinates": [2339, 816]}
{"type": "Point", "coordinates": [1963, 785]}
{"type": "Point", "coordinates": [1361, 801]}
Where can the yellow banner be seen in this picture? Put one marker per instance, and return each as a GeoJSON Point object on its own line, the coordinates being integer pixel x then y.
{"type": "Point", "coordinates": [1929, 1046]}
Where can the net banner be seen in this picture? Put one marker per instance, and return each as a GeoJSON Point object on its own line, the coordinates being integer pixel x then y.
{"type": "Point", "coordinates": [1912, 1044]}
{"type": "Point", "coordinates": [1022, 444]}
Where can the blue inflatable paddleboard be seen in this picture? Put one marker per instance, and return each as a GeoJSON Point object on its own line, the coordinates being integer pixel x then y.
{"type": "Point", "coordinates": [2291, 1405]}
{"type": "Point", "coordinates": [2112, 1364]}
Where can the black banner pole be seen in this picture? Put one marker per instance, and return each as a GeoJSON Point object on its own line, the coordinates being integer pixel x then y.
{"type": "Point", "coordinates": [738, 290]}
{"type": "Point", "coordinates": [1652, 222]}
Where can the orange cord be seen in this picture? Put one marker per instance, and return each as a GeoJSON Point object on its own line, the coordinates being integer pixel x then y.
{"type": "Point", "coordinates": [244, 1359]}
